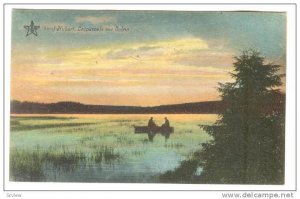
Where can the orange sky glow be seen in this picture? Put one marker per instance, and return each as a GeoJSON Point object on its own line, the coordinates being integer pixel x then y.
{"type": "Point", "coordinates": [131, 68]}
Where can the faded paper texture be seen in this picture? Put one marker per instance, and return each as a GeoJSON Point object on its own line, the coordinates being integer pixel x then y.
{"type": "Point", "coordinates": [147, 96]}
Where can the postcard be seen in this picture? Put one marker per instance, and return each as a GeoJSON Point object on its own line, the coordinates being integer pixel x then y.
{"type": "Point", "coordinates": [148, 96]}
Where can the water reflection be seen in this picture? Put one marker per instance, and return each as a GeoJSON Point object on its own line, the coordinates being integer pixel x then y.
{"type": "Point", "coordinates": [105, 150]}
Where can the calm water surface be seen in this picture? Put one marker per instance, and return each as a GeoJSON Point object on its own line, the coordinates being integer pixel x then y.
{"type": "Point", "coordinates": [138, 160]}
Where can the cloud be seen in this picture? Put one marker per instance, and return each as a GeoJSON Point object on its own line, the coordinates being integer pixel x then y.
{"type": "Point", "coordinates": [95, 20]}
{"type": "Point", "coordinates": [168, 55]}
{"type": "Point", "coordinates": [167, 59]}
{"type": "Point", "coordinates": [158, 49]}
{"type": "Point", "coordinates": [145, 70]}
{"type": "Point", "coordinates": [181, 51]}
{"type": "Point", "coordinates": [206, 58]}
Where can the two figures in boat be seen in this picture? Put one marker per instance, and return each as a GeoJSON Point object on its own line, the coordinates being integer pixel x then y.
{"type": "Point", "coordinates": [164, 129]}
{"type": "Point", "coordinates": [152, 129]}
{"type": "Point", "coordinates": [151, 123]}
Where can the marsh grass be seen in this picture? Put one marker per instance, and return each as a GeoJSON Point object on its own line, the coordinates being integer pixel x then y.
{"type": "Point", "coordinates": [88, 147]}
{"type": "Point", "coordinates": [25, 166]}
{"type": "Point", "coordinates": [174, 145]}
{"type": "Point", "coordinates": [62, 157]}
{"type": "Point", "coordinates": [138, 152]}
{"type": "Point", "coordinates": [15, 122]}
{"type": "Point", "coordinates": [28, 165]}
{"type": "Point", "coordinates": [83, 140]}
{"type": "Point", "coordinates": [124, 140]}
{"type": "Point", "coordinates": [22, 127]}
{"type": "Point", "coordinates": [106, 154]}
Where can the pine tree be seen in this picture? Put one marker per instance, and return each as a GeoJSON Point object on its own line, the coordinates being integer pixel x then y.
{"type": "Point", "coordinates": [248, 138]}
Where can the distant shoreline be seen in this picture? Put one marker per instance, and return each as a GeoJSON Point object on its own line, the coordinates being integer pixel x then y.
{"type": "Point", "coordinates": [208, 107]}
{"type": "Point", "coordinates": [71, 114]}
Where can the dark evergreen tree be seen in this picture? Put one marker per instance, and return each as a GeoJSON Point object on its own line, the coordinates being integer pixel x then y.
{"type": "Point", "coordinates": [248, 138]}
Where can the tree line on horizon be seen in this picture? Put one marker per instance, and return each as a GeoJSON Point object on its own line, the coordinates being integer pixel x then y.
{"type": "Point", "coordinates": [209, 107]}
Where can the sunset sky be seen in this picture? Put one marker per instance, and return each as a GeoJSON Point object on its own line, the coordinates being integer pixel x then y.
{"type": "Point", "coordinates": [154, 58]}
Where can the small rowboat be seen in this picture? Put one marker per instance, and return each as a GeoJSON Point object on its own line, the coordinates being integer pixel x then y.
{"type": "Point", "coordinates": [152, 131]}
{"type": "Point", "coordinates": [156, 129]}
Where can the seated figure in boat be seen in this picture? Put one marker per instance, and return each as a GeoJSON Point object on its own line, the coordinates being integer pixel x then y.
{"type": "Point", "coordinates": [151, 123]}
{"type": "Point", "coordinates": [166, 124]}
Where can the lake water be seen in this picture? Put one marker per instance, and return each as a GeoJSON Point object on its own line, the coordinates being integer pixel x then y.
{"type": "Point", "coordinates": [100, 148]}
